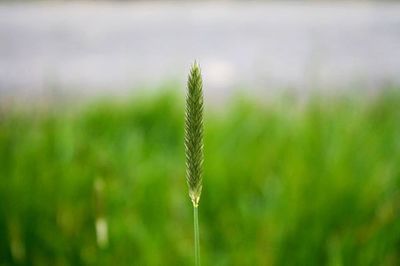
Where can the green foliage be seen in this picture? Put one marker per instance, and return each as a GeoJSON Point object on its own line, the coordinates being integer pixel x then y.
{"type": "Point", "coordinates": [194, 134]}
{"type": "Point", "coordinates": [289, 184]}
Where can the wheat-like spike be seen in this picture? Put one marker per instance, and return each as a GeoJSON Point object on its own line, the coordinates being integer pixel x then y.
{"type": "Point", "coordinates": [194, 133]}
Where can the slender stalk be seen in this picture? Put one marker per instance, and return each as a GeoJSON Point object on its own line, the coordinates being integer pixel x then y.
{"type": "Point", "coordinates": [196, 236]}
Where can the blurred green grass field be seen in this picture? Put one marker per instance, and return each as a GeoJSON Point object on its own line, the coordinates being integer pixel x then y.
{"type": "Point", "coordinates": [285, 183]}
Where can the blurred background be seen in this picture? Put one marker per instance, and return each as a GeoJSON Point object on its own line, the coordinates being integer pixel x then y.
{"type": "Point", "coordinates": [302, 132]}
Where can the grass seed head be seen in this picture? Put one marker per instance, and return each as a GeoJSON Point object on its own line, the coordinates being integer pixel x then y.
{"type": "Point", "coordinates": [194, 133]}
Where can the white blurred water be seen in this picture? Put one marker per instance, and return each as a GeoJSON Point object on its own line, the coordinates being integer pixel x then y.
{"type": "Point", "coordinates": [86, 49]}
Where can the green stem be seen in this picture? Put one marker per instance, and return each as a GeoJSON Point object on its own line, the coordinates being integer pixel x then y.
{"type": "Point", "coordinates": [196, 236]}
